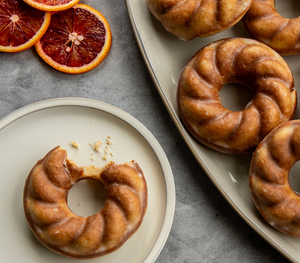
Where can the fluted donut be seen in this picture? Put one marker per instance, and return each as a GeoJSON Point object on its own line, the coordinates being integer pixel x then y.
{"type": "Point", "coordinates": [247, 62]}
{"type": "Point", "coordinates": [262, 22]}
{"type": "Point", "coordinates": [188, 19]}
{"type": "Point", "coordinates": [269, 178]}
{"type": "Point", "coordinates": [59, 229]}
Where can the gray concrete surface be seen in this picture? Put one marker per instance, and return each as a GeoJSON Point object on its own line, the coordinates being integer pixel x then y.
{"type": "Point", "coordinates": [205, 228]}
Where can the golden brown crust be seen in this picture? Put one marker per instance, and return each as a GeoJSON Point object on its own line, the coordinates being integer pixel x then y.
{"type": "Point", "coordinates": [188, 19]}
{"type": "Point", "coordinates": [264, 23]}
{"type": "Point", "coordinates": [243, 61]}
{"type": "Point", "coordinates": [59, 229]}
{"type": "Point", "coordinates": [269, 172]}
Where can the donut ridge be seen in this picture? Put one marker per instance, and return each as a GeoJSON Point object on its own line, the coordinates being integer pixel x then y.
{"type": "Point", "coordinates": [268, 178]}
{"type": "Point", "coordinates": [59, 229]}
{"type": "Point", "coordinates": [188, 19]}
{"type": "Point", "coordinates": [247, 62]}
{"type": "Point", "coordinates": [263, 23]}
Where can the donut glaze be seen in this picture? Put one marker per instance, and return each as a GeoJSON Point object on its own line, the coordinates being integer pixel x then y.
{"type": "Point", "coordinates": [269, 178]}
{"type": "Point", "coordinates": [247, 62]}
{"type": "Point", "coordinates": [262, 22]}
{"type": "Point", "coordinates": [59, 229]}
{"type": "Point", "coordinates": [188, 19]}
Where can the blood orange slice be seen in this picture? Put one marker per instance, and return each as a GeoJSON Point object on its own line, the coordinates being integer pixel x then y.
{"type": "Point", "coordinates": [52, 5]}
{"type": "Point", "coordinates": [21, 26]}
{"type": "Point", "coordinates": [76, 41]}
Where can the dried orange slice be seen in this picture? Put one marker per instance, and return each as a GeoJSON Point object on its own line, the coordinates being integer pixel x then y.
{"type": "Point", "coordinates": [76, 41]}
{"type": "Point", "coordinates": [52, 5]}
{"type": "Point", "coordinates": [21, 25]}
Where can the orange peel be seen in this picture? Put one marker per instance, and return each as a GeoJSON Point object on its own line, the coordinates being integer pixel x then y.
{"type": "Point", "coordinates": [51, 5]}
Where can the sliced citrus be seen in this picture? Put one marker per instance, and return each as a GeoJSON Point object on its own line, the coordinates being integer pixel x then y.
{"type": "Point", "coordinates": [21, 25]}
{"type": "Point", "coordinates": [76, 41]}
{"type": "Point", "coordinates": [52, 5]}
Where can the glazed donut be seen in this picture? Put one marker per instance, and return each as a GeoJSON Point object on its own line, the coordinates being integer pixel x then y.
{"type": "Point", "coordinates": [59, 229]}
{"type": "Point", "coordinates": [247, 62]}
{"type": "Point", "coordinates": [269, 178]}
{"type": "Point", "coordinates": [262, 22]}
{"type": "Point", "coordinates": [188, 19]}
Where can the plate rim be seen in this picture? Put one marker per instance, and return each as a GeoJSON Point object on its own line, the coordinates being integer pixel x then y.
{"type": "Point", "coordinates": [136, 125]}
{"type": "Point", "coordinates": [183, 134]}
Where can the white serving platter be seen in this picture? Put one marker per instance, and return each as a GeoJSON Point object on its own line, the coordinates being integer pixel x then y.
{"type": "Point", "coordinates": [165, 57]}
{"type": "Point", "coordinates": [27, 134]}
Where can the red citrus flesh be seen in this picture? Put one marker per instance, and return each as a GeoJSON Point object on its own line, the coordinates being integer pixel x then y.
{"type": "Point", "coordinates": [20, 25]}
{"type": "Point", "coordinates": [52, 2]}
{"type": "Point", "coordinates": [75, 38]}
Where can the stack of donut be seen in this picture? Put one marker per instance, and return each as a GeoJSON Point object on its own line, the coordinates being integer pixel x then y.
{"type": "Point", "coordinates": [265, 126]}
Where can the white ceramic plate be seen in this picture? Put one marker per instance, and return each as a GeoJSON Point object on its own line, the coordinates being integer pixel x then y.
{"type": "Point", "coordinates": [165, 56]}
{"type": "Point", "coordinates": [28, 134]}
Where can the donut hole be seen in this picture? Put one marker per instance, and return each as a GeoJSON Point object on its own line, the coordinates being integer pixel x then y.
{"type": "Point", "coordinates": [86, 197]}
{"type": "Point", "coordinates": [294, 178]}
{"type": "Point", "coordinates": [288, 8]}
{"type": "Point", "coordinates": [235, 97]}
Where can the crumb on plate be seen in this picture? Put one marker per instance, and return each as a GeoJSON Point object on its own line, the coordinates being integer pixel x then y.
{"type": "Point", "coordinates": [97, 146]}
{"type": "Point", "coordinates": [74, 144]}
